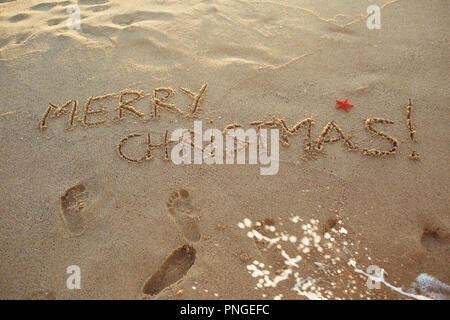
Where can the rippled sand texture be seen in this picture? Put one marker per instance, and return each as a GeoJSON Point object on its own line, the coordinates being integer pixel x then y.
{"type": "Point", "coordinates": [156, 230]}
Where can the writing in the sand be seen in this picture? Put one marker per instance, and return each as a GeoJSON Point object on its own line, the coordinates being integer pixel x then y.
{"type": "Point", "coordinates": [159, 100]}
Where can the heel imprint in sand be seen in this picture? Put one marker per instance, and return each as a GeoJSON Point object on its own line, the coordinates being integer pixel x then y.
{"type": "Point", "coordinates": [180, 209]}
{"type": "Point", "coordinates": [173, 269]}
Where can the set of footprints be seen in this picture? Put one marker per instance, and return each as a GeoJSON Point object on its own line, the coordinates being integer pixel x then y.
{"type": "Point", "coordinates": [181, 211]}
{"type": "Point", "coordinates": [177, 264]}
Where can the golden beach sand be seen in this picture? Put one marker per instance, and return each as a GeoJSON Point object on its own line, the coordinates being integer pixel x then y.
{"type": "Point", "coordinates": [367, 187]}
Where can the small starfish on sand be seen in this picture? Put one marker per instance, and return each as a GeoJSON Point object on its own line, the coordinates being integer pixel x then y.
{"type": "Point", "coordinates": [343, 105]}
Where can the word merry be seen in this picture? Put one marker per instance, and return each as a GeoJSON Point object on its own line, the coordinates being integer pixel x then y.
{"type": "Point", "coordinates": [159, 100]}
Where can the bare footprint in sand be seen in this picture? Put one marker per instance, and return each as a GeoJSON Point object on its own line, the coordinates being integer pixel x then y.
{"type": "Point", "coordinates": [173, 269]}
{"type": "Point", "coordinates": [71, 206]}
{"type": "Point", "coordinates": [180, 210]}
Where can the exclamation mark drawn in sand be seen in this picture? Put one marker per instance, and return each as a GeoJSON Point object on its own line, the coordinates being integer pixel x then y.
{"type": "Point", "coordinates": [411, 130]}
{"type": "Point", "coordinates": [176, 265]}
{"type": "Point", "coordinates": [71, 206]}
{"type": "Point", "coordinates": [180, 210]}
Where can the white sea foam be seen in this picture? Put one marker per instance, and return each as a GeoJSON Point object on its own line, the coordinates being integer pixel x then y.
{"type": "Point", "coordinates": [430, 287]}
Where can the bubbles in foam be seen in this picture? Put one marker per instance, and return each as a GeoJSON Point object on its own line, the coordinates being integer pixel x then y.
{"type": "Point", "coordinates": [430, 287]}
{"type": "Point", "coordinates": [323, 251]}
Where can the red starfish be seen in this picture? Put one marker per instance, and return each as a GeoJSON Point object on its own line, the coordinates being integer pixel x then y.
{"type": "Point", "coordinates": [343, 105]}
